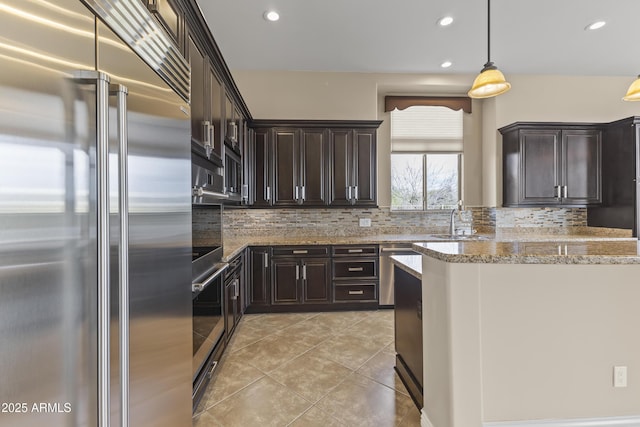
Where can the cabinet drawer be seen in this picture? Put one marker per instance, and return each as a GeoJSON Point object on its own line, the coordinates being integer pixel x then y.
{"type": "Point", "coordinates": [360, 250]}
{"type": "Point", "coordinates": [300, 251]}
{"type": "Point", "coordinates": [356, 292]}
{"type": "Point", "coordinates": [355, 268]}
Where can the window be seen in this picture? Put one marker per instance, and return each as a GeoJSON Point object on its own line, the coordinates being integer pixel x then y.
{"type": "Point", "coordinates": [426, 158]}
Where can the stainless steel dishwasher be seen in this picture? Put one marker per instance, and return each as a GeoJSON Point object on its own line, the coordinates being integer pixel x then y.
{"type": "Point", "coordinates": [386, 269]}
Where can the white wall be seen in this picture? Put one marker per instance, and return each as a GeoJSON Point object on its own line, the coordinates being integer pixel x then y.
{"type": "Point", "coordinates": [360, 96]}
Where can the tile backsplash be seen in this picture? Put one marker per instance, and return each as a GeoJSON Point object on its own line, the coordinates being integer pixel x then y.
{"type": "Point", "coordinates": [345, 222]}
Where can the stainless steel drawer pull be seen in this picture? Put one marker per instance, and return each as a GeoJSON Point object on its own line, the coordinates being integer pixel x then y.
{"type": "Point", "coordinates": [356, 269]}
{"type": "Point", "coordinates": [355, 251]}
{"type": "Point", "coordinates": [356, 292]}
{"type": "Point", "coordinates": [300, 251]}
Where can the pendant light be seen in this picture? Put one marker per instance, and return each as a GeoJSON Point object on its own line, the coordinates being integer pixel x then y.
{"type": "Point", "coordinates": [633, 94]}
{"type": "Point", "coordinates": [490, 82]}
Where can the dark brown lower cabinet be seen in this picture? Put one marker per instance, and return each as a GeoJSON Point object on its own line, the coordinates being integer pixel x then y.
{"type": "Point", "coordinates": [312, 278]}
{"type": "Point", "coordinates": [259, 277]}
{"type": "Point", "coordinates": [408, 332]}
{"type": "Point", "coordinates": [301, 281]}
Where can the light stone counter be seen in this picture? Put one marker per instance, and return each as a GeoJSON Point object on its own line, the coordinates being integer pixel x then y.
{"type": "Point", "coordinates": [412, 264]}
{"type": "Point", "coordinates": [527, 252]}
{"type": "Point", "coordinates": [234, 245]}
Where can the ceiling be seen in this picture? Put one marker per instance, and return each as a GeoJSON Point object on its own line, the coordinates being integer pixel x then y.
{"type": "Point", "coordinates": [402, 36]}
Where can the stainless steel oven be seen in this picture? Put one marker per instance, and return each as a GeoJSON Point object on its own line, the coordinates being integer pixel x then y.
{"type": "Point", "coordinates": [207, 280]}
{"type": "Point", "coordinates": [208, 317]}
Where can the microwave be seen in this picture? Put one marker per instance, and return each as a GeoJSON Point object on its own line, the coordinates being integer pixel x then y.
{"type": "Point", "coordinates": [207, 179]}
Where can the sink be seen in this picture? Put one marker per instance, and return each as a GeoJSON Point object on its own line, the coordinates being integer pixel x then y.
{"type": "Point", "coordinates": [458, 237]}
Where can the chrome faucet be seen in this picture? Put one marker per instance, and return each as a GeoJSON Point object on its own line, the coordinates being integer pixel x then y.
{"type": "Point", "coordinates": [452, 222]}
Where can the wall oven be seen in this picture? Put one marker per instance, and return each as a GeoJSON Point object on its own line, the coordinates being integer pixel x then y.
{"type": "Point", "coordinates": [207, 280]}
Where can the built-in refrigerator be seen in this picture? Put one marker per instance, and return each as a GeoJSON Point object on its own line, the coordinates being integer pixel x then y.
{"type": "Point", "coordinates": [95, 217]}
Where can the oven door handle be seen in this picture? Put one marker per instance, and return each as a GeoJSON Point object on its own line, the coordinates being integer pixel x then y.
{"type": "Point", "coordinates": [199, 192]}
{"type": "Point", "coordinates": [199, 286]}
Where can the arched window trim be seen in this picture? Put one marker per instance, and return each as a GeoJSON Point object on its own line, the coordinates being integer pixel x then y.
{"type": "Point", "coordinates": [402, 102]}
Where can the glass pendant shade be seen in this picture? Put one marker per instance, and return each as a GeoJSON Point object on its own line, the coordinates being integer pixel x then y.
{"type": "Point", "coordinates": [633, 94]}
{"type": "Point", "coordinates": [490, 82]}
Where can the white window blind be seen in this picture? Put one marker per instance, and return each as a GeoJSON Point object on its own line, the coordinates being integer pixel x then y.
{"type": "Point", "coordinates": [426, 129]}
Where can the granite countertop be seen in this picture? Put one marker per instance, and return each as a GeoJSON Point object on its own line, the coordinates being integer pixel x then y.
{"type": "Point", "coordinates": [622, 251]}
{"type": "Point", "coordinates": [412, 264]}
{"type": "Point", "coordinates": [233, 246]}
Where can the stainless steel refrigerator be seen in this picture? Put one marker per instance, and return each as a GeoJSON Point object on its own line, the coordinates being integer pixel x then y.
{"type": "Point", "coordinates": [95, 217]}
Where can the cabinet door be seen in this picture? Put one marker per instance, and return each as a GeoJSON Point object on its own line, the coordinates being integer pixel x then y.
{"type": "Point", "coordinates": [198, 90]}
{"type": "Point", "coordinates": [229, 309]}
{"type": "Point", "coordinates": [313, 167]}
{"type": "Point", "coordinates": [340, 166]}
{"type": "Point", "coordinates": [286, 188]}
{"type": "Point", "coordinates": [286, 274]}
{"type": "Point", "coordinates": [365, 172]}
{"type": "Point", "coordinates": [231, 129]}
{"type": "Point", "coordinates": [215, 111]}
{"type": "Point", "coordinates": [581, 173]}
{"type": "Point", "coordinates": [316, 280]}
{"type": "Point", "coordinates": [259, 276]}
{"type": "Point", "coordinates": [539, 168]}
{"type": "Point", "coordinates": [261, 190]}
{"type": "Point", "coordinates": [169, 16]}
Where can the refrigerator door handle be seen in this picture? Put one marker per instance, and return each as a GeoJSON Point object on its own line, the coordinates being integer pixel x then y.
{"type": "Point", "coordinates": [120, 92]}
{"type": "Point", "coordinates": [101, 81]}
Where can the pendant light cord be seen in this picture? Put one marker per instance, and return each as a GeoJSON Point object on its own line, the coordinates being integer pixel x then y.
{"type": "Point", "coordinates": [488, 31]}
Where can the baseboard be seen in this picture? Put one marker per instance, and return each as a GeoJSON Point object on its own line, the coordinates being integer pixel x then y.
{"type": "Point", "coordinates": [633, 421]}
{"type": "Point", "coordinates": [424, 420]}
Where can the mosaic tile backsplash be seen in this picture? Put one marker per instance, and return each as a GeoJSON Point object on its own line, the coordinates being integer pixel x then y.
{"type": "Point", "coordinates": [345, 222]}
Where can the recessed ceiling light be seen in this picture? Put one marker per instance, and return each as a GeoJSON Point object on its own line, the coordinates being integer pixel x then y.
{"type": "Point", "coordinates": [446, 64]}
{"type": "Point", "coordinates": [271, 15]}
{"type": "Point", "coordinates": [445, 21]}
{"type": "Point", "coordinates": [596, 25]}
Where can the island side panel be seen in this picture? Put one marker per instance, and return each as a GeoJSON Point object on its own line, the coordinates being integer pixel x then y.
{"type": "Point", "coordinates": [551, 335]}
{"type": "Point", "coordinates": [451, 336]}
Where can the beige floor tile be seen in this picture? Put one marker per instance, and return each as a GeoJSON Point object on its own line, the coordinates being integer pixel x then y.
{"type": "Point", "coordinates": [272, 352]}
{"type": "Point", "coordinates": [380, 368]}
{"type": "Point", "coordinates": [264, 403]}
{"type": "Point", "coordinates": [350, 350]}
{"type": "Point", "coordinates": [308, 333]}
{"type": "Point", "coordinates": [412, 419]}
{"type": "Point", "coordinates": [282, 320]}
{"type": "Point", "coordinates": [307, 358]}
{"type": "Point", "coordinates": [376, 332]}
{"type": "Point", "coordinates": [233, 375]}
{"type": "Point", "coordinates": [315, 417]}
{"type": "Point", "coordinates": [359, 401]}
{"type": "Point", "coordinates": [205, 420]}
{"type": "Point", "coordinates": [310, 375]}
{"type": "Point", "coordinates": [337, 321]}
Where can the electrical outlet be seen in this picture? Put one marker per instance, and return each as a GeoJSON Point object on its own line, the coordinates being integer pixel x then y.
{"type": "Point", "coordinates": [619, 376]}
{"type": "Point", "coordinates": [365, 222]}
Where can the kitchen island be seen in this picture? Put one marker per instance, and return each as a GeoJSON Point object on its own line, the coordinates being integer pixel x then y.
{"type": "Point", "coordinates": [518, 332]}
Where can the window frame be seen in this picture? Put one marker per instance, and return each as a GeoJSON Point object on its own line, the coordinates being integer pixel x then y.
{"type": "Point", "coordinates": [424, 155]}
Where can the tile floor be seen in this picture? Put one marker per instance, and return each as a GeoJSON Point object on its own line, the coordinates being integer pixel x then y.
{"type": "Point", "coordinates": [307, 370]}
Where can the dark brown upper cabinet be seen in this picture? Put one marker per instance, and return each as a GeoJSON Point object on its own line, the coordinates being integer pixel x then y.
{"type": "Point", "coordinates": [206, 102]}
{"type": "Point", "coordinates": [551, 164]}
{"type": "Point", "coordinates": [215, 111]}
{"type": "Point", "coordinates": [312, 163]}
{"type": "Point", "coordinates": [352, 172]}
{"type": "Point", "coordinates": [299, 167]}
{"type": "Point", "coordinates": [169, 16]}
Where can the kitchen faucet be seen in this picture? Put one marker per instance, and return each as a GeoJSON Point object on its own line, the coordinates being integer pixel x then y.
{"type": "Point", "coordinates": [452, 221]}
